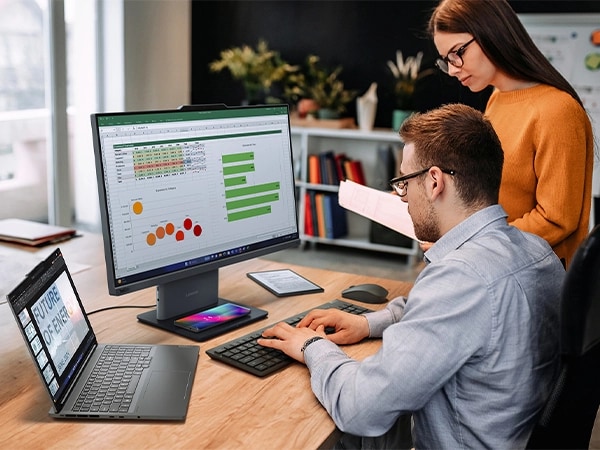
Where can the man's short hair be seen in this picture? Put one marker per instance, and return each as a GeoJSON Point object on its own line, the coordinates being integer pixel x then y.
{"type": "Point", "coordinates": [458, 137]}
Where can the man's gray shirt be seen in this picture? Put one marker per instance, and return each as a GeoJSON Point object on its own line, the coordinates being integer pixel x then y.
{"type": "Point", "coordinates": [472, 352]}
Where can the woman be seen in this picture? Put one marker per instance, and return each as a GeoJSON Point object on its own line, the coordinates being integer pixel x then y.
{"type": "Point", "coordinates": [545, 132]}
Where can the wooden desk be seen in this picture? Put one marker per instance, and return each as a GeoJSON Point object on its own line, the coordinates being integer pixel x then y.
{"type": "Point", "coordinates": [228, 409]}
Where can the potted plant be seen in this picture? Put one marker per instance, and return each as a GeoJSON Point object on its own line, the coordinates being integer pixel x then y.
{"type": "Point", "coordinates": [325, 88]}
{"type": "Point", "coordinates": [295, 92]}
{"type": "Point", "coordinates": [257, 68]}
{"type": "Point", "coordinates": [406, 74]}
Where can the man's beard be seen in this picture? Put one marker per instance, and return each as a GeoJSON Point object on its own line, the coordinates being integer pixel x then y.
{"type": "Point", "coordinates": [426, 225]}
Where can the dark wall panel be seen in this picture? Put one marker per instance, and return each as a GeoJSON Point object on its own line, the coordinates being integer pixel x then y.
{"type": "Point", "coordinates": [359, 35]}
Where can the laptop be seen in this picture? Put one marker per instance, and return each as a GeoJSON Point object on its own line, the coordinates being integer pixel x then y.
{"type": "Point", "coordinates": [154, 383]}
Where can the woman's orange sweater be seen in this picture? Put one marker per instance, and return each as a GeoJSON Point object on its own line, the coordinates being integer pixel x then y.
{"type": "Point", "coordinates": [548, 162]}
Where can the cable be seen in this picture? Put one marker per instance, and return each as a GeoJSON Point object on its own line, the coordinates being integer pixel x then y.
{"type": "Point", "coordinates": [3, 302]}
{"type": "Point", "coordinates": [119, 307]}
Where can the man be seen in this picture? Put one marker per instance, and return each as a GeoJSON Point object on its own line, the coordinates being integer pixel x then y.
{"type": "Point", "coordinates": [472, 352]}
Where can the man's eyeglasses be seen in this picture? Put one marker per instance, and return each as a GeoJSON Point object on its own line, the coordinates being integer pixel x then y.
{"type": "Point", "coordinates": [400, 184]}
{"type": "Point", "coordinates": [454, 58]}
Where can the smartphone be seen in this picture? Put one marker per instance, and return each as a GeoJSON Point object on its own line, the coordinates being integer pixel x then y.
{"type": "Point", "coordinates": [212, 317]}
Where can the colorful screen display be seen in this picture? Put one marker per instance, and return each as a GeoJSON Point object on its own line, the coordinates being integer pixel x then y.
{"type": "Point", "coordinates": [212, 317]}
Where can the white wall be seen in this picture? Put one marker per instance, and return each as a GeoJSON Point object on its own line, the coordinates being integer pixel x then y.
{"type": "Point", "coordinates": [157, 54]}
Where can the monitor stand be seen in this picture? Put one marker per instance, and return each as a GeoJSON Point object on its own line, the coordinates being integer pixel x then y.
{"type": "Point", "coordinates": [188, 296]}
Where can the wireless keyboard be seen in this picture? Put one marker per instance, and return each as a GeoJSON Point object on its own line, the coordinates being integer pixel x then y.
{"type": "Point", "coordinates": [246, 354]}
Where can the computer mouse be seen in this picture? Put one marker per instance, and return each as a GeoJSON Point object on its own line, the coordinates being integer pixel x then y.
{"type": "Point", "coordinates": [367, 293]}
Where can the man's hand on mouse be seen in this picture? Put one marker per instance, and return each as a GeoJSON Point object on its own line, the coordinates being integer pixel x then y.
{"type": "Point", "coordinates": [349, 328]}
{"type": "Point", "coordinates": [289, 340]}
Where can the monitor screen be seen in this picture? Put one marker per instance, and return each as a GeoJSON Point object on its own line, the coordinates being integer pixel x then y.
{"type": "Point", "coordinates": [186, 191]}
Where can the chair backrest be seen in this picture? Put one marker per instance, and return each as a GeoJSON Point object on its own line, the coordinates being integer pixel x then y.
{"type": "Point", "coordinates": [568, 418]}
{"type": "Point", "coordinates": [580, 303]}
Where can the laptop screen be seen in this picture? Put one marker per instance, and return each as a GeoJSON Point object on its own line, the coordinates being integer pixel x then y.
{"type": "Point", "coordinates": [53, 323]}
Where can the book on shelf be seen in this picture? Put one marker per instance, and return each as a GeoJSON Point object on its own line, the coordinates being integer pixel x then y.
{"type": "Point", "coordinates": [323, 216]}
{"type": "Point", "coordinates": [329, 174]}
{"type": "Point", "coordinates": [336, 223]}
{"type": "Point", "coordinates": [340, 158]}
{"type": "Point", "coordinates": [320, 214]}
{"type": "Point", "coordinates": [314, 170]}
{"type": "Point", "coordinates": [330, 168]}
{"type": "Point", "coordinates": [355, 172]}
{"type": "Point", "coordinates": [308, 216]}
{"type": "Point", "coordinates": [313, 213]}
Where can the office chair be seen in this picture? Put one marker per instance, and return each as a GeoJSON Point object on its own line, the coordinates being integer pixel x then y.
{"type": "Point", "coordinates": [568, 417]}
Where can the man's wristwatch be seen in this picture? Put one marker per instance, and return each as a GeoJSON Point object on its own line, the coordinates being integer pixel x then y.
{"type": "Point", "coordinates": [310, 341]}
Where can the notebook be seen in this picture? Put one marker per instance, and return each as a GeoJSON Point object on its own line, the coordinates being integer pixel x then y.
{"type": "Point", "coordinates": [155, 383]}
{"type": "Point", "coordinates": [32, 233]}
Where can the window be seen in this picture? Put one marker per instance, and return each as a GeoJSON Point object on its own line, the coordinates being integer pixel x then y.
{"type": "Point", "coordinates": [25, 116]}
{"type": "Point", "coordinates": [22, 114]}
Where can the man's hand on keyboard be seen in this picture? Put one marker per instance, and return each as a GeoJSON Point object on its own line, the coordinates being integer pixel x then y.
{"type": "Point", "coordinates": [289, 339]}
{"type": "Point", "coordinates": [348, 328]}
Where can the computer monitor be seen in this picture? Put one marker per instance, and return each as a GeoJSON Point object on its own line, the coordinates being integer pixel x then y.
{"type": "Point", "coordinates": [184, 192]}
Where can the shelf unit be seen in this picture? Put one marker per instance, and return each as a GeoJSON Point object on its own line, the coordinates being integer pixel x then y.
{"type": "Point", "coordinates": [356, 144]}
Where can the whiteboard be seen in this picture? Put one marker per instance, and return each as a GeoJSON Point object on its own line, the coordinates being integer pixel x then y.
{"type": "Point", "coordinates": [571, 42]}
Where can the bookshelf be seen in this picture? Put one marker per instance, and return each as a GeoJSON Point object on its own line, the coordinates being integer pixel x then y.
{"type": "Point", "coordinates": [356, 145]}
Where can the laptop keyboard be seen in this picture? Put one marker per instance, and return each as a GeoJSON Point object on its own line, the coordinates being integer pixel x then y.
{"type": "Point", "coordinates": [112, 383]}
{"type": "Point", "coordinates": [246, 354]}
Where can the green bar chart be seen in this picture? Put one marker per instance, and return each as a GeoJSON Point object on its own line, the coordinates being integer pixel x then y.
{"type": "Point", "coordinates": [246, 200]}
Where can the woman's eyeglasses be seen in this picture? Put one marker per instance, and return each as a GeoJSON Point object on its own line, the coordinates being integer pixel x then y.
{"type": "Point", "coordinates": [400, 184]}
{"type": "Point", "coordinates": [454, 58]}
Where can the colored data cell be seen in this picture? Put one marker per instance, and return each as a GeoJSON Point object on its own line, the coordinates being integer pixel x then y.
{"type": "Point", "coordinates": [160, 232]}
{"type": "Point", "coordinates": [187, 223]}
{"type": "Point", "coordinates": [149, 162]}
{"type": "Point", "coordinates": [179, 236]}
{"type": "Point", "coordinates": [167, 159]}
{"type": "Point", "coordinates": [197, 230]}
